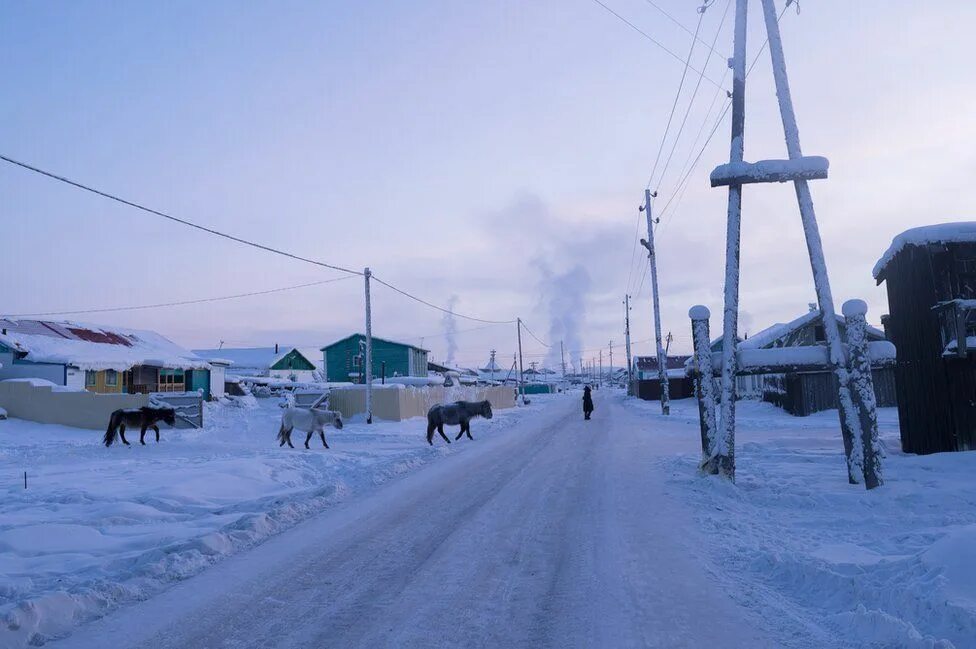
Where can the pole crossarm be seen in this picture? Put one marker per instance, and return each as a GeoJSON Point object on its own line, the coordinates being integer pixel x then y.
{"type": "Point", "coordinates": [813, 167]}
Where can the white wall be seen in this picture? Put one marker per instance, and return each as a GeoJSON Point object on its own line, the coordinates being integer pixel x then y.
{"type": "Point", "coordinates": [217, 375]}
{"type": "Point", "coordinates": [75, 378]}
{"type": "Point", "coordinates": [302, 376]}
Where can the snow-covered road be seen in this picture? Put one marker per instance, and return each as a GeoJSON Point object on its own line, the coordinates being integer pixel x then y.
{"type": "Point", "coordinates": [558, 533]}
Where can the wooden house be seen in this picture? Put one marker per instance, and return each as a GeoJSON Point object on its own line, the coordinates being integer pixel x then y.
{"type": "Point", "coordinates": [804, 393]}
{"type": "Point", "coordinates": [344, 359]}
{"type": "Point", "coordinates": [99, 359]}
{"type": "Point", "coordinates": [930, 275]}
{"type": "Point", "coordinates": [647, 384]}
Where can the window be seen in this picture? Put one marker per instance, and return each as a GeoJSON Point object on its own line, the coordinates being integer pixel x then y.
{"type": "Point", "coordinates": [111, 378]}
{"type": "Point", "coordinates": [90, 378]}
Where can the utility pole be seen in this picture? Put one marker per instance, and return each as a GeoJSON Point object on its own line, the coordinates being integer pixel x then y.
{"type": "Point", "coordinates": [662, 372]}
{"type": "Point", "coordinates": [611, 363]}
{"type": "Point", "coordinates": [492, 365]}
{"type": "Point", "coordinates": [521, 377]}
{"type": "Point", "coordinates": [599, 377]}
{"type": "Point", "coordinates": [630, 362]}
{"type": "Point", "coordinates": [369, 351]}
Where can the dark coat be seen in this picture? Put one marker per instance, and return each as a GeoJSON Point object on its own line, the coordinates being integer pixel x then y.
{"type": "Point", "coordinates": [587, 400]}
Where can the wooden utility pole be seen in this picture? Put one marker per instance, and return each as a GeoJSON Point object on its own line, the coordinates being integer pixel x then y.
{"type": "Point", "coordinates": [611, 363]}
{"type": "Point", "coordinates": [521, 375]}
{"type": "Point", "coordinates": [599, 377]}
{"type": "Point", "coordinates": [662, 359]}
{"type": "Point", "coordinates": [369, 351]}
{"type": "Point", "coordinates": [630, 362]}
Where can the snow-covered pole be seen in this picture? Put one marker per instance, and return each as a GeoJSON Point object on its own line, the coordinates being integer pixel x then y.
{"type": "Point", "coordinates": [369, 351]}
{"type": "Point", "coordinates": [850, 425]}
{"type": "Point", "coordinates": [701, 339]}
{"type": "Point", "coordinates": [521, 374]}
{"type": "Point", "coordinates": [730, 315]}
{"type": "Point", "coordinates": [862, 390]}
{"type": "Point", "coordinates": [630, 369]}
{"type": "Point", "coordinates": [662, 361]}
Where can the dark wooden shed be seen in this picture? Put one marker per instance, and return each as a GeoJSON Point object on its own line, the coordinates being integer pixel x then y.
{"type": "Point", "coordinates": [930, 273]}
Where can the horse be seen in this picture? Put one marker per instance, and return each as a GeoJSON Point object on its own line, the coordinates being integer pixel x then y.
{"type": "Point", "coordinates": [452, 414]}
{"type": "Point", "coordinates": [311, 420]}
{"type": "Point", "coordinates": [144, 417]}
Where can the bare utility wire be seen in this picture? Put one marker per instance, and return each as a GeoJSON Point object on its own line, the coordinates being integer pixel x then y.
{"type": "Point", "coordinates": [678, 22]}
{"type": "Point", "coordinates": [174, 218]}
{"type": "Point", "coordinates": [694, 95]}
{"type": "Point", "coordinates": [649, 37]}
{"type": "Point", "coordinates": [180, 303]}
{"type": "Point", "coordinates": [534, 336]}
{"type": "Point", "coordinates": [439, 308]}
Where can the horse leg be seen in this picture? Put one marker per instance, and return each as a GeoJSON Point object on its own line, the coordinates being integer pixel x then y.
{"type": "Point", "coordinates": [467, 429]}
{"type": "Point", "coordinates": [322, 435]}
{"type": "Point", "coordinates": [288, 438]}
{"type": "Point", "coordinates": [156, 428]}
{"type": "Point", "coordinates": [430, 433]}
{"type": "Point", "coordinates": [460, 432]}
{"type": "Point", "coordinates": [122, 433]}
{"type": "Point", "coordinates": [440, 429]}
{"type": "Point", "coordinates": [308, 437]}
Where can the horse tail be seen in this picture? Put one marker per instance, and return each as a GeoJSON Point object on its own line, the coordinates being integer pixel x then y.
{"type": "Point", "coordinates": [113, 427]}
{"type": "Point", "coordinates": [281, 433]}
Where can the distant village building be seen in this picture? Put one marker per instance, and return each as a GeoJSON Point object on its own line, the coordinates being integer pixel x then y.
{"type": "Point", "coordinates": [100, 358]}
{"type": "Point", "coordinates": [930, 273]}
{"type": "Point", "coordinates": [647, 383]}
{"type": "Point", "coordinates": [281, 362]}
{"type": "Point", "coordinates": [344, 359]}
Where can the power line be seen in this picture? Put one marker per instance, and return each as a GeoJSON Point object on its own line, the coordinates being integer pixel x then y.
{"type": "Point", "coordinates": [694, 94]}
{"type": "Point", "coordinates": [180, 303]}
{"type": "Point", "coordinates": [649, 37]}
{"type": "Point", "coordinates": [534, 336]}
{"type": "Point", "coordinates": [175, 219]}
{"type": "Point", "coordinates": [678, 22]}
{"type": "Point", "coordinates": [439, 308]}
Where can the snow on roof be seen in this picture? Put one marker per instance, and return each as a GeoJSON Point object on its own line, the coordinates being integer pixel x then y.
{"type": "Point", "coordinates": [259, 358]}
{"type": "Point", "coordinates": [649, 363]}
{"type": "Point", "coordinates": [962, 232]}
{"type": "Point", "coordinates": [385, 340]}
{"type": "Point", "coordinates": [94, 347]}
{"type": "Point", "coordinates": [780, 330]}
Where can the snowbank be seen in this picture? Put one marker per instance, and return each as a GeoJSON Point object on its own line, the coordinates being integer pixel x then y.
{"type": "Point", "coordinates": [961, 232]}
{"type": "Point", "coordinates": [894, 567]}
{"type": "Point", "coordinates": [98, 528]}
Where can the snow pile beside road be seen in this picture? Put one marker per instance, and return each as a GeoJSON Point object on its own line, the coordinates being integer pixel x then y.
{"type": "Point", "coordinates": [895, 567]}
{"type": "Point", "coordinates": [98, 528]}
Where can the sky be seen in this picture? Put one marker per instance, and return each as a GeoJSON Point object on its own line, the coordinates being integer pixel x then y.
{"type": "Point", "coordinates": [491, 155]}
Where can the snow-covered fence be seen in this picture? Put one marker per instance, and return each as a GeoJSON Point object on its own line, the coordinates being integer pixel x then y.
{"type": "Point", "coordinates": [42, 401]}
{"type": "Point", "coordinates": [188, 407]}
{"type": "Point", "coordinates": [399, 402]}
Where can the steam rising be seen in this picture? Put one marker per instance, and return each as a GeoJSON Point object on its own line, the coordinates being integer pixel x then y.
{"type": "Point", "coordinates": [450, 329]}
{"type": "Point", "coordinates": [564, 298]}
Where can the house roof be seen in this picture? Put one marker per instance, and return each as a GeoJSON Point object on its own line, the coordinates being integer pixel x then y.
{"type": "Point", "coordinates": [385, 340]}
{"type": "Point", "coordinates": [963, 232]}
{"type": "Point", "coordinates": [257, 358]}
{"type": "Point", "coordinates": [649, 363]}
{"type": "Point", "coordinates": [94, 347]}
{"type": "Point", "coordinates": [770, 335]}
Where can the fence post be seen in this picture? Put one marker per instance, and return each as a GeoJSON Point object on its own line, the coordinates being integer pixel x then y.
{"type": "Point", "coordinates": [862, 390]}
{"type": "Point", "coordinates": [705, 387]}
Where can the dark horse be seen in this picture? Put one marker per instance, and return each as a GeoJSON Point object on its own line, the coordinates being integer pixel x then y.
{"type": "Point", "coordinates": [145, 418]}
{"type": "Point", "coordinates": [452, 414]}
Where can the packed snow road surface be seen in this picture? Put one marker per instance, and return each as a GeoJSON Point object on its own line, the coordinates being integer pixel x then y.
{"type": "Point", "coordinates": [558, 533]}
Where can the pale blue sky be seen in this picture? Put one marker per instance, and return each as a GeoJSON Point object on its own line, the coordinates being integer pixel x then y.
{"type": "Point", "coordinates": [453, 147]}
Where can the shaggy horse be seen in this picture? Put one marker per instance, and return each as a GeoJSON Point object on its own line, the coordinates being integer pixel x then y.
{"type": "Point", "coordinates": [145, 418]}
{"type": "Point", "coordinates": [453, 414]}
{"type": "Point", "coordinates": [308, 419]}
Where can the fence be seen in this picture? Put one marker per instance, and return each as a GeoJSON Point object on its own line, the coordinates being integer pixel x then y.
{"type": "Point", "coordinates": [47, 404]}
{"type": "Point", "coordinates": [188, 407]}
{"type": "Point", "coordinates": [396, 403]}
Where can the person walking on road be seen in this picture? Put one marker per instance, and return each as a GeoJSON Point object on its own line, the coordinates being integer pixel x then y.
{"type": "Point", "coordinates": [587, 402]}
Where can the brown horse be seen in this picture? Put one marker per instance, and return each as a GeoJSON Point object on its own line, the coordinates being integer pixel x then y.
{"type": "Point", "coordinates": [145, 418]}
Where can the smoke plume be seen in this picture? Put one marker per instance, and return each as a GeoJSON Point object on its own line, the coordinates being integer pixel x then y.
{"type": "Point", "coordinates": [450, 329]}
{"type": "Point", "coordinates": [563, 296]}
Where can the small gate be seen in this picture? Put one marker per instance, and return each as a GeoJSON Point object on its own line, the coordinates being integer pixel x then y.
{"type": "Point", "coordinates": [188, 407]}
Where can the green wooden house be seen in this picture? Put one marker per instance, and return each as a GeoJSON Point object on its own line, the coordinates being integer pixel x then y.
{"type": "Point", "coordinates": [344, 359]}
